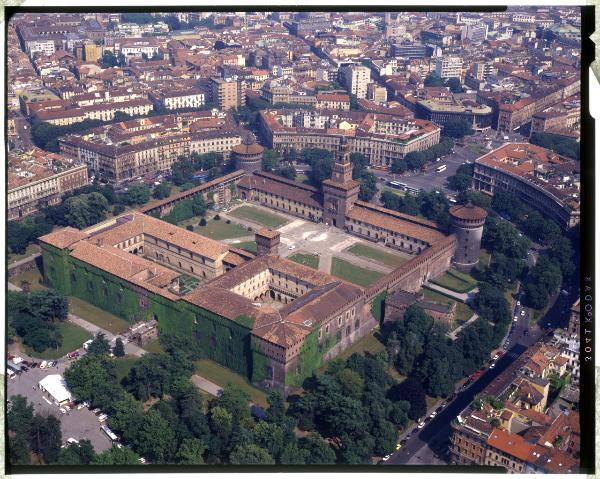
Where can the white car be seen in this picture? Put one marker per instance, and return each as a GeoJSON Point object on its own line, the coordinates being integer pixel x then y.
{"type": "Point", "coordinates": [515, 318]}
{"type": "Point", "coordinates": [63, 410]}
{"type": "Point", "coordinates": [522, 312]}
{"type": "Point", "coordinates": [421, 425]}
{"type": "Point", "coordinates": [518, 303]}
{"type": "Point", "coordinates": [492, 366]}
{"type": "Point", "coordinates": [385, 458]}
{"type": "Point", "coordinates": [80, 406]}
{"type": "Point", "coordinates": [102, 417]}
{"type": "Point", "coordinates": [72, 440]}
{"type": "Point", "coordinates": [290, 247]}
{"type": "Point", "coordinates": [433, 414]}
{"type": "Point", "coordinates": [44, 364]}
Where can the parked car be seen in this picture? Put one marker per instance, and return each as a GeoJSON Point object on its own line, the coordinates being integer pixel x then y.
{"type": "Point", "coordinates": [102, 417]}
{"type": "Point", "coordinates": [385, 458]}
{"type": "Point", "coordinates": [34, 365]}
{"type": "Point", "coordinates": [518, 303]}
{"type": "Point", "coordinates": [421, 425]}
{"type": "Point", "coordinates": [432, 415]}
{"type": "Point", "coordinates": [96, 411]}
{"type": "Point", "coordinates": [439, 409]}
{"type": "Point", "coordinates": [63, 410]}
{"type": "Point", "coordinates": [492, 366]}
{"type": "Point", "coordinates": [515, 318]}
{"type": "Point", "coordinates": [80, 406]}
{"type": "Point", "coordinates": [72, 440]}
{"type": "Point", "coordinates": [522, 312]}
{"type": "Point", "coordinates": [526, 333]}
{"type": "Point", "coordinates": [44, 364]}
{"type": "Point", "coordinates": [24, 368]}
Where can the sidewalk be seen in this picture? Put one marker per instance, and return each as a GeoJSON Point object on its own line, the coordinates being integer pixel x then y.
{"type": "Point", "coordinates": [454, 334]}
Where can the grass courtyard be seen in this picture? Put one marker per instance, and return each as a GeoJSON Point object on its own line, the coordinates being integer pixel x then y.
{"type": "Point", "coordinates": [217, 230]}
{"type": "Point", "coordinates": [32, 277]}
{"type": "Point", "coordinates": [247, 245]}
{"type": "Point", "coordinates": [123, 365]}
{"type": "Point", "coordinates": [73, 338]}
{"type": "Point", "coordinates": [97, 316]}
{"type": "Point", "coordinates": [154, 347]}
{"type": "Point", "coordinates": [222, 376]}
{"type": "Point", "coordinates": [309, 260]}
{"type": "Point", "coordinates": [456, 281]}
{"type": "Point", "coordinates": [389, 259]}
{"type": "Point", "coordinates": [257, 215]}
{"type": "Point", "coordinates": [355, 274]}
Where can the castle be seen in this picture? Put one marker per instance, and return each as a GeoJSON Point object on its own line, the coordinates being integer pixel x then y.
{"type": "Point", "coordinates": [271, 319]}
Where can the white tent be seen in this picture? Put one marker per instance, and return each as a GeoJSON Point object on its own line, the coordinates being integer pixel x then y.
{"type": "Point", "coordinates": [56, 387]}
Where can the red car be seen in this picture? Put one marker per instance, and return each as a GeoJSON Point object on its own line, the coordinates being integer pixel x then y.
{"type": "Point", "coordinates": [477, 374]}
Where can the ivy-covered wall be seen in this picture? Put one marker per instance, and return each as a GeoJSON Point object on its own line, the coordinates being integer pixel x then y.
{"type": "Point", "coordinates": [219, 339]}
{"type": "Point", "coordinates": [310, 358]}
{"type": "Point", "coordinates": [378, 306]}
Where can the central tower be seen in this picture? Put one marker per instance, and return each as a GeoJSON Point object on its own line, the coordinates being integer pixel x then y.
{"type": "Point", "coordinates": [341, 191]}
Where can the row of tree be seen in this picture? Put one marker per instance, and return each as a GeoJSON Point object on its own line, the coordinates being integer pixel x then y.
{"type": "Point", "coordinates": [417, 159]}
{"type": "Point", "coordinates": [432, 205]}
{"type": "Point", "coordinates": [563, 145]}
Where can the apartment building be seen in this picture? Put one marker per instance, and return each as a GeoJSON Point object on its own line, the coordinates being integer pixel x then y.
{"type": "Point", "coordinates": [449, 67]}
{"type": "Point", "coordinates": [228, 93]}
{"type": "Point", "coordinates": [179, 99]}
{"type": "Point", "coordinates": [39, 178]}
{"type": "Point", "coordinates": [356, 78]}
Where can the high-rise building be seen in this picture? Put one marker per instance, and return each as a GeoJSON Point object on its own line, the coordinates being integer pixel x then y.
{"type": "Point", "coordinates": [449, 67]}
{"type": "Point", "coordinates": [474, 33]}
{"type": "Point", "coordinates": [91, 52]}
{"type": "Point", "coordinates": [227, 92]}
{"type": "Point", "coordinates": [376, 93]}
{"type": "Point", "coordinates": [356, 78]}
{"type": "Point", "coordinates": [482, 70]}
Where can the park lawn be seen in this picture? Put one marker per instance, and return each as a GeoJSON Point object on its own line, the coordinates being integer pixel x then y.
{"type": "Point", "coordinates": [31, 249]}
{"type": "Point", "coordinates": [477, 149]}
{"type": "Point", "coordinates": [302, 178]}
{"type": "Point", "coordinates": [309, 260]}
{"type": "Point", "coordinates": [256, 215]}
{"type": "Point", "coordinates": [218, 229]}
{"type": "Point", "coordinates": [355, 274]}
{"type": "Point", "coordinates": [97, 316]}
{"type": "Point", "coordinates": [73, 338]}
{"type": "Point", "coordinates": [33, 277]}
{"type": "Point", "coordinates": [431, 295]}
{"type": "Point", "coordinates": [154, 347]}
{"type": "Point", "coordinates": [247, 245]}
{"type": "Point", "coordinates": [123, 365]}
{"type": "Point", "coordinates": [463, 313]}
{"type": "Point", "coordinates": [394, 190]}
{"type": "Point", "coordinates": [456, 281]}
{"type": "Point", "coordinates": [222, 376]}
{"type": "Point", "coordinates": [360, 249]}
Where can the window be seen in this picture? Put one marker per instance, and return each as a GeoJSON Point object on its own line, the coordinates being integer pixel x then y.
{"type": "Point", "coordinates": [356, 324]}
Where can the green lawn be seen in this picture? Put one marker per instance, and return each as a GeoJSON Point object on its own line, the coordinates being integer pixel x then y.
{"type": "Point", "coordinates": [456, 281]}
{"type": "Point", "coordinates": [222, 376]}
{"type": "Point", "coordinates": [154, 347]}
{"type": "Point", "coordinates": [306, 259]}
{"type": "Point", "coordinates": [368, 343]}
{"type": "Point", "coordinates": [302, 178]}
{"type": "Point", "coordinates": [463, 313]}
{"type": "Point", "coordinates": [389, 259]}
{"type": "Point", "coordinates": [73, 338]}
{"type": "Point", "coordinates": [123, 365]}
{"type": "Point", "coordinates": [33, 277]}
{"type": "Point", "coordinates": [431, 295]}
{"type": "Point", "coordinates": [95, 315]}
{"type": "Point", "coordinates": [218, 230]}
{"type": "Point", "coordinates": [394, 190]}
{"type": "Point", "coordinates": [355, 274]}
{"type": "Point", "coordinates": [259, 216]}
{"type": "Point", "coordinates": [247, 245]}
{"type": "Point", "coordinates": [477, 149]}
{"type": "Point", "coordinates": [31, 249]}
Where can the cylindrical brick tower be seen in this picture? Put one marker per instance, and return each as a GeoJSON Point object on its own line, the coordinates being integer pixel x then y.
{"type": "Point", "coordinates": [247, 156]}
{"type": "Point", "coordinates": [467, 225]}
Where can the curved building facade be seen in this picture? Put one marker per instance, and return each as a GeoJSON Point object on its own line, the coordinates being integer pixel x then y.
{"type": "Point", "coordinates": [467, 225]}
{"type": "Point", "coordinates": [247, 157]}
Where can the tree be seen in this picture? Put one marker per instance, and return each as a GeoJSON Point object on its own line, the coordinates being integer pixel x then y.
{"type": "Point", "coordinates": [85, 210]}
{"type": "Point", "coordinates": [162, 191]}
{"type": "Point", "coordinates": [287, 171]}
{"type": "Point", "coordinates": [351, 383]}
{"type": "Point", "coordinates": [250, 454]}
{"type": "Point", "coordinates": [561, 144]}
{"type": "Point", "coordinates": [384, 434]}
{"type": "Point", "coordinates": [433, 79]}
{"type": "Point", "coordinates": [504, 270]}
{"type": "Point", "coordinates": [359, 164]}
{"type": "Point", "coordinates": [99, 345]}
{"type": "Point", "coordinates": [276, 409]}
{"type": "Point", "coordinates": [92, 378]}
{"type": "Point", "coordinates": [457, 128]}
{"type": "Point", "coordinates": [108, 59]}
{"type": "Point", "coordinates": [368, 186]}
{"type": "Point", "coordinates": [318, 451]}
{"type": "Point", "coordinates": [190, 452]}
{"type": "Point", "coordinates": [490, 304]}
{"type": "Point", "coordinates": [77, 454]}
{"type": "Point", "coordinates": [321, 170]}
{"type": "Point", "coordinates": [116, 456]}
{"type": "Point", "coordinates": [202, 222]}
{"type": "Point", "coordinates": [269, 436]}
{"type": "Point", "coordinates": [461, 181]}
{"type": "Point", "coordinates": [119, 349]}
{"type": "Point", "coordinates": [153, 374]}
{"type": "Point", "coordinates": [199, 206]}
{"type": "Point", "coordinates": [454, 85]}
{"type": "Point", "coordinates": [412, 391]}
{"type": "Point", "coordinates": [18, 449]}
{"type": "Point", "coordinates": [45, 437]}
{"type": "Point", "coordinates": [293, 454]}
{"type": "Point", "coordinates": [502, 237]}
{"type": "Point", "coordinates": [270, 160]}
{"type": "Point", "coordinates": [155, 438]}
{"type": "Point", "coordinates": [137, 195]}
{"type": "Point", "coordinates": [19, 415]}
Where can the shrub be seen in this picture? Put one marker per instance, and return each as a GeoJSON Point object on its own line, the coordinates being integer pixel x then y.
{"type": "Point", "coordinates": [202, 222]}
{"type": "Point", "coordinates": [228, 222]}
{"type": "Point", "coordinates": [216, 217]}
{"type": "Point", "coordinates": [189, 228]}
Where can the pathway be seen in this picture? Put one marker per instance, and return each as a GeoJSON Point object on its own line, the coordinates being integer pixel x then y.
{"type": "Point", "coordinates": [23, 261]}
{"type": "Point", "coordinates": [448, 292]}
{"type": "Point", "coordinates": [454, 334]}
{"type": "Point", "coordinates": [325, 263]}
{"type": "Point", "coordinates": [206, 385]}
{"type": "Point", "coordinates": [365, 263]}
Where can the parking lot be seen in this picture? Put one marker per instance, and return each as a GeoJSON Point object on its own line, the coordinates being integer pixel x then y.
{"type": "Point", "coordinates": [78, 424]}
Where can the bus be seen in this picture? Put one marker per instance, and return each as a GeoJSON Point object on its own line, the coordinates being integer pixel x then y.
{"type": "Point", "coordinates": [108, 432]}
{"type": "Point", "coordinates": [397, 185]}
{"type": "Point", "coordinates": [441, 168]}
